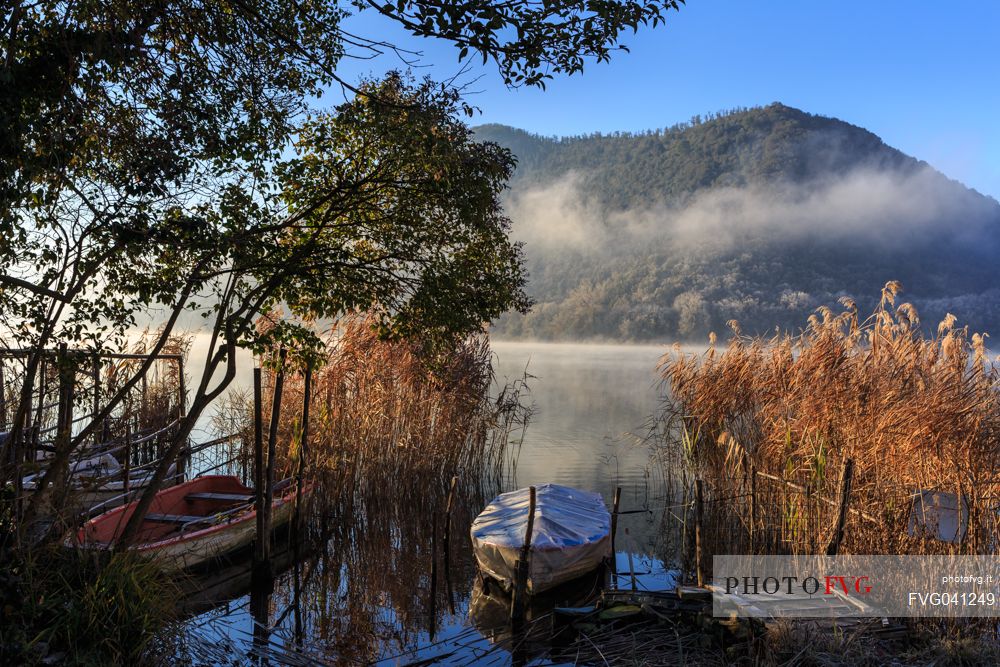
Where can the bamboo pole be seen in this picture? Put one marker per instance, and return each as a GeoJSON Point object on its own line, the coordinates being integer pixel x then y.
{"type": "Point", "coordinates": [614, 518]}
{"type": "Point", "coordinates": [802, 489]}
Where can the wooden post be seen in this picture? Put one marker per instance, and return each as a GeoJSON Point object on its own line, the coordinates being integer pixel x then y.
{"type": "Point", "coordinates": [614, 533]}
{"type": "Point", "coordinates": [127, 458]}
{"type": "Point", "coordinates": [64, 432]}
{"type": "Point", "coordinates": [95, 376]}
{"type": "Point", "coordinates": [66, 391]}
{"type": "Point", "coordinates": [42, 390]}
{"type": "Point", "coordinates": [446, 542]}
{"type": "Point", "coordinates": [753, 505]}
{"type": "Point", "coordinates": [303, 449]}
{"type": "Point", "coordinates": [272, 444]}
{"type": "Point", "coordinates": [32, 453]}
{"type": "Point", "coordinates": [698, 517]}
{"type": "Point", "coordinates": [183, 460]}
{"type": "Point", "coordinates": [181, 390]}
{"type": "Point", "coordinates": [846, 473]}
{"type": "Point", "coordinates": [685, 532]}
{"type": "Point", "coordinates": [631, 570]}
{"type": "Point", "coordinates": [432, 607]}
{"type": "Point", "coordinates": [523, 570]}
{"type": "Point", "coordinates": [16, 452]}
{"type": "Point", "coordinates": [3, 400]}
{"type": "Point", "coordinates": [144, 401]}
{"type": "Point", "coordinates": [297, 520]}
{"type": "Point", "coordinates": [18, 455]}
{"type": "Point", "coordinates": [259, 552]}
{"type": "Point", "coordinates": [614, 519]}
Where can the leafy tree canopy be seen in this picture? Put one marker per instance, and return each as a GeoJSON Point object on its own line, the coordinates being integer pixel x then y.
{"type": "Point", "coordinates": [144, 162]}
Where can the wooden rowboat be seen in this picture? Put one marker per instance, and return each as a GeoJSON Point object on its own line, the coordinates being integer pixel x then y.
{"type": "Point", "coordinates": [97, 483]}
{"type": "Point", "coordinates": [190, 523]}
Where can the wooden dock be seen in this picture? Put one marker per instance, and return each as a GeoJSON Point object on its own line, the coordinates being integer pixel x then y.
{"type": "Point", "coordinates": [834, 614]}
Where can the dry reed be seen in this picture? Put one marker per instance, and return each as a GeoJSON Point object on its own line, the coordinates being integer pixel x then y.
{"type": "Point", "coordinates": [380, 410]}
{"type": "Point", "coordinates": [913, 411]}
{"type": "Point", "coordinates": [388, 430]}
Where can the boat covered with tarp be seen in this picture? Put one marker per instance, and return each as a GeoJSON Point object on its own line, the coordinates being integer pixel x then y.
{"type": "Point", "coordinates": [571, 536]}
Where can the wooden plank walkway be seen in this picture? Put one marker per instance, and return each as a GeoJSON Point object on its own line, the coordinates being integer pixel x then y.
{"type": "Point", "coordinates": [833, 614]}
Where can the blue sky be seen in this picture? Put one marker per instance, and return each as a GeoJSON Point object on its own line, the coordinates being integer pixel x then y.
{"type": "Point", "coordinates": [924, 76]}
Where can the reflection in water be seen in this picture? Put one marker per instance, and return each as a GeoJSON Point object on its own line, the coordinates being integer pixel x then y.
{"type": "Point", "coordinates": [378, 587]}
{"type": "Point", "coordinates": [593, 409]}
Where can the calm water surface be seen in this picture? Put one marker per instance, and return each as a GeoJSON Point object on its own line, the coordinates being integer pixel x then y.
{"type": "Point", "coordinates": [368, 598]}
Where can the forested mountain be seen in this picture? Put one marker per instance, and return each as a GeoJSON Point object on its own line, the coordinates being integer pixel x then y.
{"type": "Point", "coordinates": [759, 215]}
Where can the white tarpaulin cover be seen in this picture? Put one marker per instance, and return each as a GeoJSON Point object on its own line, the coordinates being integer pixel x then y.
{"type": "Point", "coordinates": [570, 537]}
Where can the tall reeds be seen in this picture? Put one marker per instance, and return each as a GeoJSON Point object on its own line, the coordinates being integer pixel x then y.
{"type": "Point", "coordinates": [381, 409]}
{"type": "Point", "coordinates": [769, 423]}
{"type": "Point", "coordinates": [389, 428]}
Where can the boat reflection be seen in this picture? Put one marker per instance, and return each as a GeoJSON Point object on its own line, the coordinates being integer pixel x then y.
{"type": "Point", "coordinates": [368, 579]}
{"type": "Point", "coordinates": [490, 614]}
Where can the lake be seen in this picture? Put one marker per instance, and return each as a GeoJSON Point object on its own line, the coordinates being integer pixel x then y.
{"type": "Point", "coordinates": [370, 598]}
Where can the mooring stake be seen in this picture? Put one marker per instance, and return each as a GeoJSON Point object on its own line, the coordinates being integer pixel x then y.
{"type": "Point", "coordinates": [698, 516]}
{"type": "Point", "coordinates": [614, 532]}
{"type": "Point", "coordinates": [432, 616]}
{"type": "Point", "coordinates": [446, 543]}
{"type": "Point", "coordinates": [272, 444]}
{"type": "Point", "coordinates": [258, 470]}
{"type": "Point", "coordinates": [521, 576]}
{"type": "Point", "coordinates": [844, 498]}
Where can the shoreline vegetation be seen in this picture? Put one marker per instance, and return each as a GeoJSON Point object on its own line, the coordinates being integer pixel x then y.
{"type": "Point", "coordinates": [391, 425]}
{"type": "Point", "coordinates": [767, 424]}
{"type": "Point", "coordinates": [386, 410]}
{"type": "Point", "coordinates": [187, 161]}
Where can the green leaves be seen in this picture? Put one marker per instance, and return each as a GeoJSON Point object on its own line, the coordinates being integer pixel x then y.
{"type": "Point", "coordinates": [530, 41]}
{"type": "Point", "coordinates": [400, 215]}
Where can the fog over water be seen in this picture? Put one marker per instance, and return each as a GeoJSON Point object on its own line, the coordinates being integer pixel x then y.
{"type": "Point", "coordinates": [592, 407]}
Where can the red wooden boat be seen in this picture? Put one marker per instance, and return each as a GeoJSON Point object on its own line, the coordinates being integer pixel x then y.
{"type": "Point", "coordinates": [192, 522]}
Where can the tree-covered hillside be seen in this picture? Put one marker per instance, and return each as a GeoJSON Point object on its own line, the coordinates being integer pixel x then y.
{"type": "Point", "coordinates": [758, 215]}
